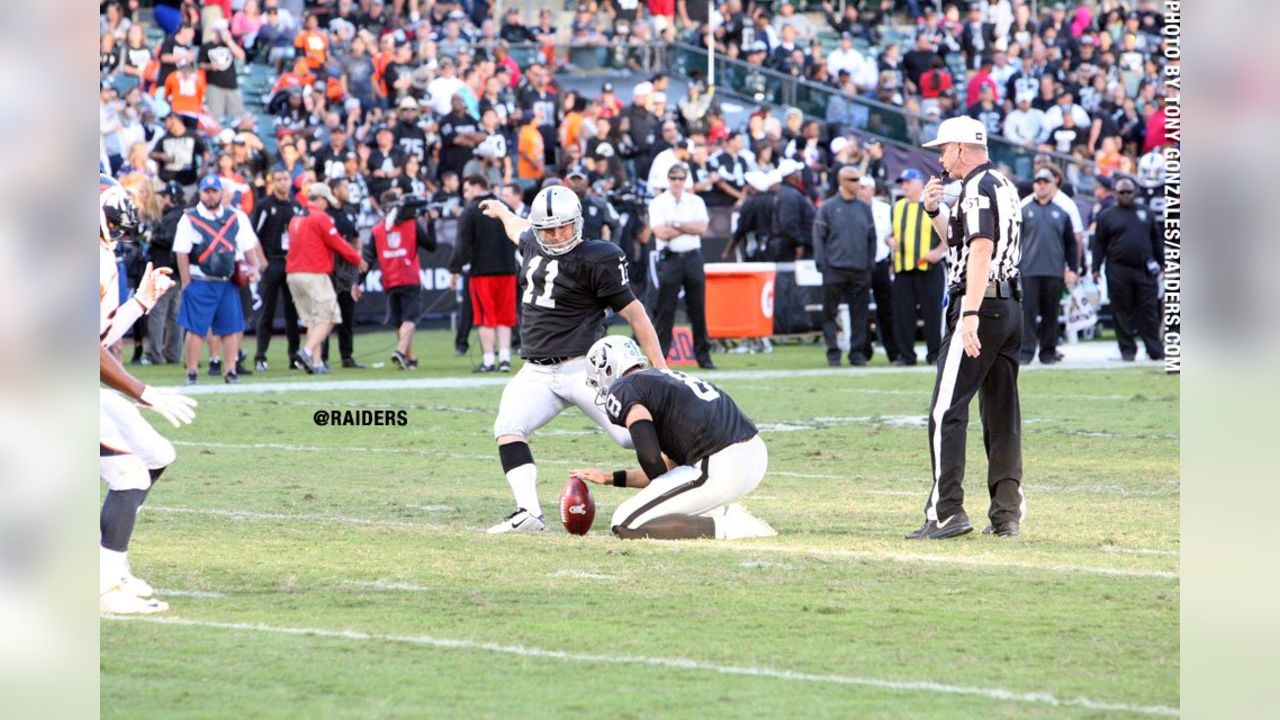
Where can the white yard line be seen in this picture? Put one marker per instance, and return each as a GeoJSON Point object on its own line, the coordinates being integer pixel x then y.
{"type": "Point", "coordinates": [865, 555]}
{"type": "Point", "coordinates": [468, 383]}
{"type": "Point", "coordinates": [287, 447]}
{"type": "Point", "coordinates": [1139, 551]}
{"type": "Point", "coordinates": [202, 594]}
{"type": "Point", "coordinates": [384, 585]}
{"type": "Point", "coordinates": [582, 575]}
{"type": "Point", "coordinates": [674, 663]}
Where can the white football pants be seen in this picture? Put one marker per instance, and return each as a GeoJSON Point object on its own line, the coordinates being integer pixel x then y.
{"type": "Point", "coordinates": [129, 446]}
{"type": "Point", "coordinates": [688, 490]}
{"type": "Point", "coordinates": [538, 393]}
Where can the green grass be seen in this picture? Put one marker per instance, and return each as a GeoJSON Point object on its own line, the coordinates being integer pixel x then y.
{"type": "Point", "coordinates": [378, 531]}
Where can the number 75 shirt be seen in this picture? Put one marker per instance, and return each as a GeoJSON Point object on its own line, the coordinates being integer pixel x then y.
{"type": "Point", "coordinates": [563, 298]}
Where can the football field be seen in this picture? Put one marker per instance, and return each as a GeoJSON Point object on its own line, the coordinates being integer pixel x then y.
{"type": "Point", "coordinates": [344, 572]}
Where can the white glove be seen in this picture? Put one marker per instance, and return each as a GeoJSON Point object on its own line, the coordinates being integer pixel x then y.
{"type": "Point", "coordinates": [178, 409]}
{"type": "Point", "coordinates": [155, 282]}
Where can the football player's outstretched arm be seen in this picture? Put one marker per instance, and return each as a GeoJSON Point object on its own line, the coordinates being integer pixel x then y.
{"type": "Point", "coordinates": [177, 409]}
{"type": "Point", "coordinates": [645, 334]}
{"type": "Point", "coordinates": [653, 462]}
{"type": "Point", "coordinates": [512, 223]}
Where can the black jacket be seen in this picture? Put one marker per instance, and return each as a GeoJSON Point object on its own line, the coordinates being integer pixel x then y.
{"type": "Point", "coordinates": [160, 250]}
{"type": "Point", "coordinates": [270, 219]}
{"type": "Point", "coordinates": [1127, 237]}
{"type": "Point", "coordinates": [793, 222]}
{"type": "Point", "coordinates": [483, 243]}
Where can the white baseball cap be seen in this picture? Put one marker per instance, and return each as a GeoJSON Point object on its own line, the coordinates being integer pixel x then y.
{"type": "Point", "coordinates": [963, 129]}
{"type": "Point", "coordinates": [839, 144]}
{"type": "Point", "coordinates": [641, 89]}
{"type": "Point", "coordinates": [789, 167]}
{"type": "Point", "coordinates": [760, 180]}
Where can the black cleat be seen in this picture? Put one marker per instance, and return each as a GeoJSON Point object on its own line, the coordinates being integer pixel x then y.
{"type": "Point", "coordinates": [192, 377]}
{"type": "Point", "coordinates": [485, 369]}
{"type": "Point", "coordinates": [504, 366]}
{"type": "Point", "coordinates": [260, 365]}
{"type": "Point", "coordinates": [1006, 529]}
{"type": "Point", "coordinates": [215, 368]}
{"type": "Point", "coordinates": [231, 378]}
{"type": "Point", "coordinates": [708, 365]}
{"type": "Point", "coordinates": [954, 526]}
{"type": "Point", "coordinates": [400, 360]}
{"type": "Point", "coordinates": [351, 363]}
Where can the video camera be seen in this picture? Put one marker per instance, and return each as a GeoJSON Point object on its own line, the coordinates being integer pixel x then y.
{"type": "Point", "coordinates": [414, 206]}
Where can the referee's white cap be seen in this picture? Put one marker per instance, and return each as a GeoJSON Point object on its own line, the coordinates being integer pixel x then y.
{"type": "Point", "coordinates": [963, 129]}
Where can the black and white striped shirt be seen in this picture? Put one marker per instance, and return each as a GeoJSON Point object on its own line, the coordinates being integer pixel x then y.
{"type": "Point", "coordinates": [989, 207]}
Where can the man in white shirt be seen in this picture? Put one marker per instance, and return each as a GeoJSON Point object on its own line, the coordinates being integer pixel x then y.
{"type": "Point", "coordinates": [667, 159]}
{"type": "Point", "coordinates": [678, 219]}
{"type": "Point", "coordinates": [1025, 124]}
{"type": "Point", "coordinates": [845, 57]}
{"type": "Point", "coordinates": [209, 239]}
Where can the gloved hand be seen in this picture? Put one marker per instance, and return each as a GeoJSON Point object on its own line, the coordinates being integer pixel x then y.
{"type": "Point", "coordinates": [155, 282]}
{"type": "Point", "coordinates": [178, 409]}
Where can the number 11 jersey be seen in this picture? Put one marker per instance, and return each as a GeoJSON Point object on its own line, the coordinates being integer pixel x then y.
{"type": "Point", "coordinates": [563, 297]}
{"type": "Point", "coordinates": [694, 418]}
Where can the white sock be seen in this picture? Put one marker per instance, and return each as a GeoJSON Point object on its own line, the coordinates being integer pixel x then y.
{"type": "Point", "coordinates": [488, 358]}
{"type": "Point", "coordinates": [504, 355]}
{"type": "Point", "coordinates": [112, 566]}
{"type": "Point", "coordinates": [524, 485]}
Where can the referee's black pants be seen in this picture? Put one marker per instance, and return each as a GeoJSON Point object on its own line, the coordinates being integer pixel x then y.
{"type": "Point", "coordinates": [993, 377]}
{"type": "Point", "coordinates": [918, 293]}
{"type": "Point", "coordinates": [270, 286]}
{"type": "Point", "coordinates": [1135, 302]}
{"type": "Point", "coordinates": [849, 286]}
{"type": "Point", "coordinates": [1042, 297]}
{"type": "Point", "coordinates": [677, 271]}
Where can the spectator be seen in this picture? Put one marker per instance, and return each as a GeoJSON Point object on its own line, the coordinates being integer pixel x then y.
{"type": "Point", "coordinates": [178, 153]}
{"type": "Point", "coordinates": [384, 161]}
{"type": "Point", "coordinates": [313, 241]}
{"type": "Point", "coordinates": [987, 111]}
{"type": "Point", "coordinates": [599, 220]}
{"type": "Point", "coordinates": [678, 219]}
{"type": "Point", "coordinates": [916, 62]}
{"type": "Point", "coordinates": [980, 79]}
{"type": "Point", "coordinates": [177, 47]}
{"type": "Point", "coordinates": [845, 57]}
{"type": "Point", "coordinates": [185, 89]}
{"type": "Point", "coordinates": [136, 58]}
{"type": "Point", "coordinates": [313, 43]}
{"type": "Point", "coordinates": [531, 164]}
{"type": "Point", "coordinates": [271, 217]}
{"type": "Point", "coordinates": [396, 240]}
{"type": "Point", "coordinates": [208, 241]}
{"type": "Point", "coordinates": [218, 63]}
{"type": "Point", "coordinates": [844, 249]}
{"type": "Point", "coordinates": [246, 23]}
{"type": "Point", "coordinates": [1025, 125]}
{"type": "Point", "coordinates": [730, 165]}
{"type": "Point", "coordinates": [977, 39]}
{"type": "Point", "coordinates": [460, 133]}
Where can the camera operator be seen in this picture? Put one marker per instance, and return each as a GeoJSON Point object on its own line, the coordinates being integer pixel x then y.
{"type": "Point", "coordinates": [405, 227]}
{"type": "Point", "coordinates": [164, 339]}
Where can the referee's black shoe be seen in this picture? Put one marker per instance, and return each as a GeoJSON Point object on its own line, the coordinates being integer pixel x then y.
{"type": "Point", "coordinates": [1008, 528]}
{"type": "Point", "coordinates": [954, 526]}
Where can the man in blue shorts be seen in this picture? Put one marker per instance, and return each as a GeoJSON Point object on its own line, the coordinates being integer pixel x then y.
{"type": "Point", "coordinates": [209, 239]}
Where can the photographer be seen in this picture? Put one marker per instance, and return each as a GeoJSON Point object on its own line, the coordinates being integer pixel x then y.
{"type": "Point", "coordinates": [164, 341]}
{"type": "Point", "coordinates": [599, 220]}
{"type": "Point", "coordinates": [405, 227]}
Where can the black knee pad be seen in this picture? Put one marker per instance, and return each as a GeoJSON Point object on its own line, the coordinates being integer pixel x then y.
{"type": "Point", "coordinates": [513, 455]}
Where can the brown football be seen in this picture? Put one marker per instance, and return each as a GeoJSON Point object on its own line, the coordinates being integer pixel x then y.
{"type": "Point", "coordinates": [241, 275]}
{"type": "Point", "coordinates": [577, 507]}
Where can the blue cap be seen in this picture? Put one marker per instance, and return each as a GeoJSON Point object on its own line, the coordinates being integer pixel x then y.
{"type": "Point", "coordinates": [210, 182]}
{"type": "Point", "coordinates": [910, 174]}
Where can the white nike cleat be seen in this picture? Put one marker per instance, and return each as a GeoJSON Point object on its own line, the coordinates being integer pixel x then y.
{"type": "Point", "coordinates": [519, 521]}
{"type": "Point", "coordinates": [117, 601]}
{"type": "Point", "coordinates": [733, 522]}
{"type": "Point", "coordinates": [136, 586]}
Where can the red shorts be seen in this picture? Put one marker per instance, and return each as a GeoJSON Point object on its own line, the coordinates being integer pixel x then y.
{"type": "Point", "coordinates": [493, 300]}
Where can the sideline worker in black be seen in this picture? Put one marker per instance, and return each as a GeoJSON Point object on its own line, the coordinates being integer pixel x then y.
{"type": "Point", "coordinates": [1047, 266]}
{"type": "Point", "coordinates": [346, 277]}
{"type": "Point", "coordinates": [793, 216]}
{"type": "Point", "coordinates": [1128, 241]}
{"type": "Point", "coordinates": [271, 216]}
{"type": "Point", "coordinates": [984, 333]}
{"type": "Point", "coordinates": [844, 249]}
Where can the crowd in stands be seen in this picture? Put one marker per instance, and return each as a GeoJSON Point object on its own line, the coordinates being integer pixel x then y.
{"type": "Point", "coordinates": [414, 96]}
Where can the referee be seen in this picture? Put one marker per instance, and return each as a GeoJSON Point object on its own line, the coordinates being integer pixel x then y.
{"type": "Point", "coordinates": [983, 335]}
